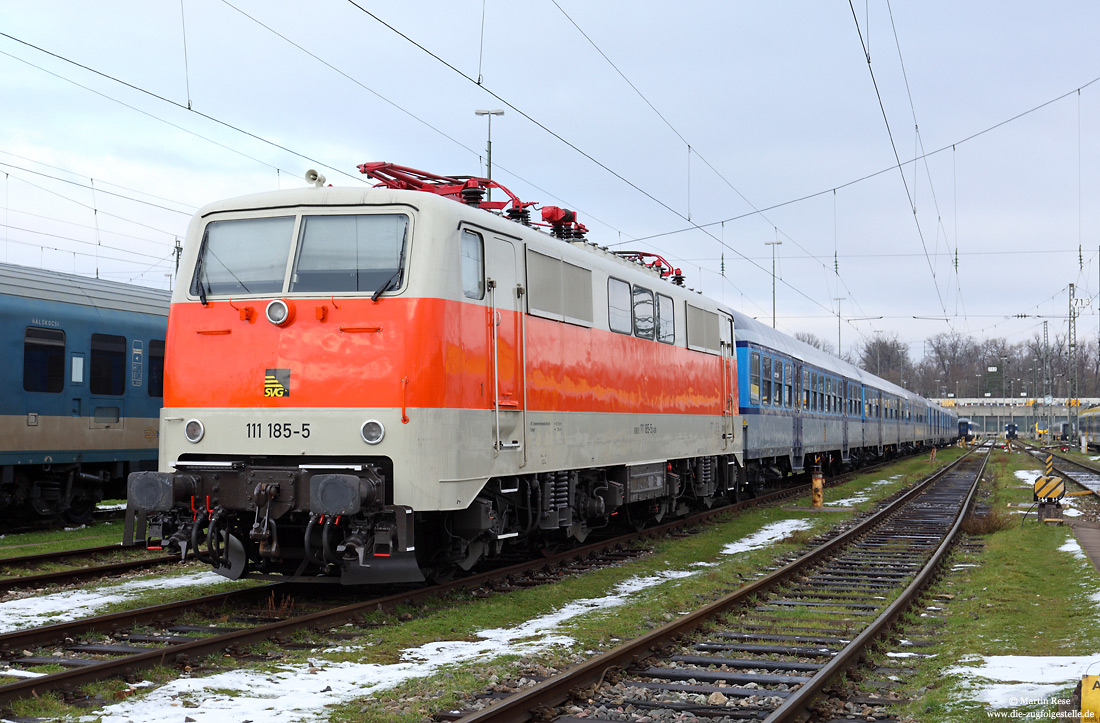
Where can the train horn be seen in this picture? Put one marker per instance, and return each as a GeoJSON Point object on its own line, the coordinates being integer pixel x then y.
{"type": "Point", "coordinates": [315, 178]}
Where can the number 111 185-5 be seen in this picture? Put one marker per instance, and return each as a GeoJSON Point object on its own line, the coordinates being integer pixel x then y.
{"type": "Point", "coordinates": [277, 430]}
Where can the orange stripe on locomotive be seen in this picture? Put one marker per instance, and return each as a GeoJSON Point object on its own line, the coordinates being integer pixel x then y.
{"type": "Point", "coordinates": [444, 348]}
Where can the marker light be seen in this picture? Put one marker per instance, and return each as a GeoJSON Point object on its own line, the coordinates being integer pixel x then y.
{"type": "Point", "coordinates": [194, 431]}
{"type": "Point", "coordinates": [372, 431]}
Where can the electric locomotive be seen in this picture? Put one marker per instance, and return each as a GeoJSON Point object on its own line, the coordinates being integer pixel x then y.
{"type": "Point", "coordinates": [391, 384]}
{"type": "Point", "coordinates": [382, 385]}
{"type": "Point", "coordinates": [80, 393]}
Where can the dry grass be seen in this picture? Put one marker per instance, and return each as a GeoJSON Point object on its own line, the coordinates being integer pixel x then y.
{"type": "Point", "coordinates": [993, 520]}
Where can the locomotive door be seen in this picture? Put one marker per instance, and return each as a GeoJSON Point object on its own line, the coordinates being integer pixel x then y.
{"type": "Point", "coordinates": [729, 379]}
{"type": "Point", "coordinates": [796, 420]}
{"type": "Point", "coordinates": [506, 336]}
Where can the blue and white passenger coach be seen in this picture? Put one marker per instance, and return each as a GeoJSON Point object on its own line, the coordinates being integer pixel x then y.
{"type": "Point", "coordinates": [80, 391]}
{"type": "Point", "coordinates": [798, 402]}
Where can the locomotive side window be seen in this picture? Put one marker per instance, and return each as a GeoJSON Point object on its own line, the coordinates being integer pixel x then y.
{"type": "Point", "coordinates": [156, 368]}
{"type": "Point", "coordinates": [43, 360]}
{"type": "Point", "coordinates": [618, 306]}
{"type": "Point", "coordinates": [754, 377]}
{"type": "Point", "coordinates": [789, 376]}
{"type": "Point", "coordinates": [473, 265]}
{"type": "Point", "coordinates": [644, 313]}
{"type": "Point", "coordinates": [243, 256]}
{"type": "Point", "coordinates": [108, 364]}
{"type": "Point", "coordinates": [666, 320]}
{"type": "Point", "coordinates": [766, 386]}
{"type": "Point", "coordinates": [351, 253]}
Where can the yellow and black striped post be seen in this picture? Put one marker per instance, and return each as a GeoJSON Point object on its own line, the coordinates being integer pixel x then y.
{"type": "Point", "coordinates": [1048, 466]}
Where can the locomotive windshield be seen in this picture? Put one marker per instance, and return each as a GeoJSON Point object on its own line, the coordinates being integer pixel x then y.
{"type": "Point", "coordinates": [244, 256]}
{"type": "Point", "coordinates": [344, 253]}
{"type": "Point", "coordinates": [350, 253]}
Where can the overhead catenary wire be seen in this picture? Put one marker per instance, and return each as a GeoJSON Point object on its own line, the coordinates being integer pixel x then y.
{"type": "Point", "coordinates": [566, 142]}
{"type": "Point", "coordinates": [692, 150]}
{"type": "Point", "coordinates": [894, 147]}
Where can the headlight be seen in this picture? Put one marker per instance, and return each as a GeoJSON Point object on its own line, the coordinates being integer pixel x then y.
{"type": "Point", "coordinates": [372, 431]}
{"type": "Point", "coordinates": [194, 430]}
{"type": "Point", "coordinates": [278, 313]}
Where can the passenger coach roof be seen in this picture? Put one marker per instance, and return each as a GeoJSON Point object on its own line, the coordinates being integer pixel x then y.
{"type": "Point", "coordinates": [39, 284]}
{"type": "Point", "coordinates": [748, 329]}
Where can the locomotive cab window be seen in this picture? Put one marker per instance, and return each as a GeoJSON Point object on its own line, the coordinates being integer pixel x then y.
{"type": "Point", "coordinates": [473, 265]}
{"type": "Point", "coordinates": [108, 365]}
{"type": "Point", "coordinates": [43, 360]}
{"type": "Point", "coordinates": [360, 253]}
{"type": "Point", "coordinates": [243, 256]}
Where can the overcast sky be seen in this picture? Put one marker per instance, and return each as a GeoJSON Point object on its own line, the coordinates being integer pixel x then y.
{"type": "Point", "coordinates": [103, 164]}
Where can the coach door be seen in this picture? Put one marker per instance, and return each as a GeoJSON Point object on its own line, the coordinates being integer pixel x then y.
{"type": "Point", "coordinates": [845, 413]}
{"type": "Point", "coordinates": [729, 380]}
{"type": "Point", "coordinates": [503, 292]}
{"type": "Point", "coordinates": [796, 419]}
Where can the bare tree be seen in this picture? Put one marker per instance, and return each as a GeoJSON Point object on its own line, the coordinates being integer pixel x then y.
{"type": "Point", "coordinates": [887, 357]}
{"type": "Point", "coordinates": [815, 341]}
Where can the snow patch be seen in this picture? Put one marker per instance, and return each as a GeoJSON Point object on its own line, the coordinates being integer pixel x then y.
{"type": "Point", "coordinates": [765, 536]}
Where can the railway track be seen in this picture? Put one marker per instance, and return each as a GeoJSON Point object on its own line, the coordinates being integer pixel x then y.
{"type": "Point", "coordinates": [130, 641]}
{"type": "Point", "coordinates": [1083, 474]}
{"type": "Point", "coordinates": [18, 572]}
{"type": "Point", "coordinates": [766, 651]}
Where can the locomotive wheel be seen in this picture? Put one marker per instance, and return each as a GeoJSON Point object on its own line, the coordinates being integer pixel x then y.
{"type": "Point", "coordinates": [238, 558]}
{"type": "Point", "coordinates": [440, 573]}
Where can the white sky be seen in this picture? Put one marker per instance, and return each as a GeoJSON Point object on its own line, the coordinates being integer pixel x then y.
{"type": "Point", "coordinates": [776, 97]}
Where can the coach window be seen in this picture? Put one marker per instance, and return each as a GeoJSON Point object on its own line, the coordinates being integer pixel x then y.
{"type": "Point", "coordinates": [813, 391]}
{"type": "Point", "coordinates": [108, 364]}
{"type": "Point", "coordinates": [361, 253]}
{"type": "Point", "coordinates": [788, 387]}
{"type": "Point", "coordinates": [766, 378]}
{"type": "Point", "coordinates": [644, 313]}
{"type": "Point", "coordinates": [821, 393]}
{"type": "Point", "coordinates": [43, 360]}
{"type": "Point", "coordinates": [473, 265]}
{"type": "Point", "coordinates": [666, 320]}
{"type": "Point", "coordinates": [618, 306]}
{"type": "Point", "coordinates": [156, 368]}
{"type": "Point", "coordinates": [806, 390]}
{"type": "Point", "coordinates": [777, 387]}
{"type": "Point", "coordinates": [754, 378]}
